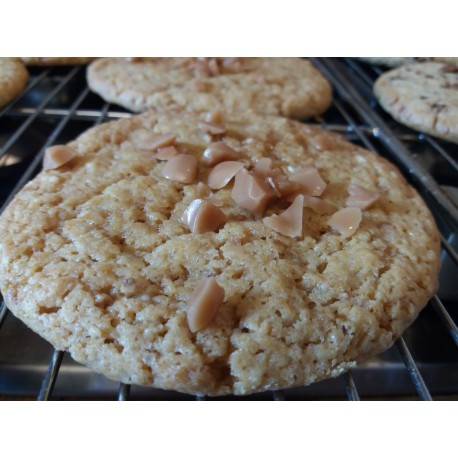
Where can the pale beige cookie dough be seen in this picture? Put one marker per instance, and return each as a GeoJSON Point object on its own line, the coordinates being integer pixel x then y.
{"type": "Point", "coordinates": [13, 79]}
{"type": "Point", "coordinates": [422, 96]}
{"type": "Point", "coordinates": [45, 61]}
{"type": "Point", "coordinates": [96, 259]}
{"type": "Point", "coordinates": [289, 87]}
{"type": "Point", "coordinates": [398, 61]}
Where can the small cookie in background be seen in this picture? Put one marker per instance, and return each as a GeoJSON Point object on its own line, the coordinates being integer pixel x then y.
{"type": "Point", "coordinates": [398, 61]}
{"type": "Point", "coordinates": [45, 61]}
{"type": "Point", "coordinates": [290, 87]}
{"type": "Point", "coordinates": [13, 79]}
{"type": "Point", "coordinates": [423, 97]}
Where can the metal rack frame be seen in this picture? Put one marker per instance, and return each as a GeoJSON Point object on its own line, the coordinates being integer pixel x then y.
{"type": "Point", "coordinates": [358, 118]}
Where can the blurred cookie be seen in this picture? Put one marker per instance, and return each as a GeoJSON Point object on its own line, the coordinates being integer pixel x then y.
{"type": "Point", "coordinates": [398, 61]}
{"type": "Point", "coordinates": [422, 96]}
{"type": "Point", "coordinates": [45, 61]}
{"type": "Point", "coordinates": [288, 87]}
{"type": "Point", "coordinates": [13, 79]}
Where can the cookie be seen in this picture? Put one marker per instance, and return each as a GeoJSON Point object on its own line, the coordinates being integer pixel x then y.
{"type": "Point", "coordinates": [98, 256]}
{"type": "Point", "coordinates": [288, 87]}
{"type": "Point", "coordinates": [398, 61]}
{"type": "Point", "coordinates": [13, 79]}
{"type": "Point", "coordinates": [422, 96]}
{"type": "Point", "coordinates": [45, 61]}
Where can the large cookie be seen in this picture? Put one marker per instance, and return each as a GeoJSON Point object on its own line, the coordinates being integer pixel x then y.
{"type": "Point", "coordinates": [13, 78]}
{"type": "Point", "coordinates": [422, 96]}
{"type": "Point", "coordinates": [289, 87]}
{"type": "Point", "coordinates": [96, 259]}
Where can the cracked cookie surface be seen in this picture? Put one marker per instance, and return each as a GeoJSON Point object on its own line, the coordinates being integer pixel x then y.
{"type": "Point", "coordinates": [422, 96]}
{"type": "Point", "coordinates": [290, 87]}
{"type": "Point", "coordinates": [95, 259]}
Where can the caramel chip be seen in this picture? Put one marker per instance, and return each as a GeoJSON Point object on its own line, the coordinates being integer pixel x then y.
{"type": "Point", "coordinates": [181, 168]}
{"type": "Point", "coordinates": [152, 141]}
{"type": "Point", "coordinates": [203, 216]}
{"type": "Point", "coordinates": [57, 155]}
{"type": "Point", "coordinates": [252, 193]}
{"type": "Point", "coordinates": [223, 173]}
{"type": "Point", "coordinates": [211, 128]}
{"type": "Point", "coordinates": [361, 197]}
{"type": "Point", "coordinates": [309, 181]}
{"type": "Point", "coordinates": [289, 222]}
{"type": "Point", "coordinates": [166, 153]}
{"type": "Point", "coordinates": [218, 152]}
{"type": "Point", "coordinates": [346, 221]}
{"type": "Point", "coordinates": [204, 303]}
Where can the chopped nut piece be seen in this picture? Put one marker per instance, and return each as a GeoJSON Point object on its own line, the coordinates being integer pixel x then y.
{"type": "Point", "coordinates": [152, 141]}
{"type": "Point", "coordinates": [346, 221]}
{"type": "Point", "coordinates": [164, 154]}
{"type": "Point", "coordinates": [181, 168]}
{"type": "Point", "coordinates": [223, 173]}
{"type": "Point", "coordinates": [252, 193]}
{"type": "Point", "coordinates": [218, 152]}
{"type": "Point", "coordinates": [361, 197]}
{"type": "Point", "coordinates": [309, 181]}
{"type": "Point", "coordinates": [204, 303]}
{"type": "Point", "coordinates": [212, 129]}
{"type": "Point", "coordinates": [214, 117]}
{"type": "Point", "coordinates": [289, 222]}
{"type": "Point", "coordinates": [57, 155]}
{"type": "Point", "coordinates": [203, 216]}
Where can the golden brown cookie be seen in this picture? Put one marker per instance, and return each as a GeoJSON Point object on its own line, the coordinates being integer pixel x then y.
{"type": "Point", "coordinates": [44, 61]}
{"type": "Point", "coordinates": [13, 79]}
{"type": "Point", "coordinates": [288, 87]}
{"type": "Point", "coordinates": [98, 259]}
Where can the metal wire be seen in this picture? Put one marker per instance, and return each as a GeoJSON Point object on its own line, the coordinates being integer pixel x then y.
{"type": "Point", "coordinates": [50, 376]}
{"type": "Point", "coordinates": [124, 392]}
{"type": "Point", "coordinates": [446, 318]}
{"type": "Point", "coordinates": [3, 313]}
{"type": "Point", "coordinates": [350, 387]}
{"type": "Point", "coordinates": [414, 373]}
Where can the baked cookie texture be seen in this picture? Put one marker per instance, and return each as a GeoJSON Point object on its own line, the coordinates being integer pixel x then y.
{"type": "Point", "coordinates": [13, 79]}
{"type": "Point", "coordinates": [95, 259]}
{"type": "Point", "coordinates": [398, 61]}
{"type": "Point", "coordinates": [44, 61]}
{"type": "Point", "coordinates": [422, 96]}
{"type": "Point", "coordinates": [290, 87]}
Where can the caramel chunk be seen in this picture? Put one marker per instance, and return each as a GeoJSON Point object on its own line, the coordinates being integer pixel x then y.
{"type": "Point", "coordinates": [202, 216]}
{"type": "Point", "coordinates": [204, 303]}
{"type": "Point", "coordinates": [57, 155]}
{"type": "Point", "coordinates": [289, 222]}
{"type": "Point", "coordinates": [151, 142]}
{"type": "Point", "coordinates": [223, 173]}
{"type": "Point", "coordinates": [315, 203]}
{"type": "Point", "coordinates": [361, 197]}
{"type": "Point", "coordinates": [324, 141]}
{"type": "Point", "coordinates": [181, 168]}
{"type": "Point", "coordinates": [309, 181]}
{"type": "Point", "coordinates": [252, 193]}
{"type": "Point", "coordinates": [164, 154]}
{"type": "Point", "coordinates": [263, 168]}
{"type": "Point", "coordinates": [346, 221]}
{"type": "Point", "coordinates": [218, 152]}
{"type": "Point", "coordinates": [211, 128]}
{"type": "Point", "coordinates": [214, 117]}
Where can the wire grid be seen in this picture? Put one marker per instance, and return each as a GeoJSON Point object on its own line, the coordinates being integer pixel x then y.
{"type": "Point", "coordinates": [352, 82]}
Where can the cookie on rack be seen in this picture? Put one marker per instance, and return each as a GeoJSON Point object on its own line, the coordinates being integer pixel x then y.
{"type": "Point", "coordinates": [50, 61]}
{"type": "Point", "coordinates": [137, 251]}
{"type": "Point", "coordinates": [422, 96]}
{"type": "Point", "coordinates": [13, 79]}
{"type": "Point", "coordinates": [288, 87]}
{"type": "Point", "coordinates": [399, 61]}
